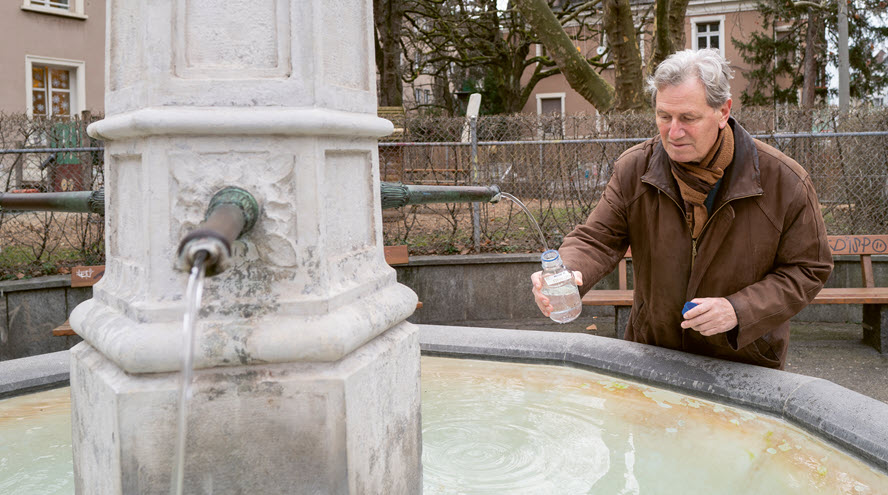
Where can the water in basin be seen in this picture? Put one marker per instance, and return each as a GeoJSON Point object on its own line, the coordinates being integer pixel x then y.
{"type": "Point", "coordinates": [496, 427]}
{"type": "Point", "coordinates": [35, 444]}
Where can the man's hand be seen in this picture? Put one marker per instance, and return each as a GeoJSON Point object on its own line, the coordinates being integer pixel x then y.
{"type": "Point", "coordinates": [711, 316]}
{"type": "Point", "coordinates": [542, 301]}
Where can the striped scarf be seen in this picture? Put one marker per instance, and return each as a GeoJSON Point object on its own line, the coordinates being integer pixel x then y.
{"type": "Point", "coordinates": [695, 180]}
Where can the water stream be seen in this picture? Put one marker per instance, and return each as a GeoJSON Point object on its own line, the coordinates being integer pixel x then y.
{"type": "Point", "coordinates": [529, 217]}
{"type": "Point", "coordinates": [193, 294]}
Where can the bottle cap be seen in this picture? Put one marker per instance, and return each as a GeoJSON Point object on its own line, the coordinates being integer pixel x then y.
{"type": "Point", "coordinates": [550, 255]}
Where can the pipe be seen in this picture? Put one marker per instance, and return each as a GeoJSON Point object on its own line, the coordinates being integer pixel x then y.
{"type": "Point", "coordinates": [393, 194]}
{"type": "Point", "coordinates": [231, 214]}
{"type": "Point", "coordinates": [73, 202]}
{"type": "Point", "coordinates": [396, 194]}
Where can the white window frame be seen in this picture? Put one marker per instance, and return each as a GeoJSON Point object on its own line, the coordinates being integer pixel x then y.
{"type": "Point", "coordinates": [74, 10]}
{"type": "Point", "coordinates": [78, 81]}
{"type": "Point", "coordinates": [720, 19]}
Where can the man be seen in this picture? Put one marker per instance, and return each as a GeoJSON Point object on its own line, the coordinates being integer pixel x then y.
{"type": "Point", "coordinates": [713, 217]}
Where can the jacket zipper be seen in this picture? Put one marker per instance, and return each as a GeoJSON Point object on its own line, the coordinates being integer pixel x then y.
{"type": "Point", "coordinates": [694, 241]}
{"type": "Point", "coordinates": [690, 234]}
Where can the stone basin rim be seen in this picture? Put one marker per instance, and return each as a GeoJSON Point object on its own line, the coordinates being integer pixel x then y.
{"type": "Point", "coordinates": [848, 420]}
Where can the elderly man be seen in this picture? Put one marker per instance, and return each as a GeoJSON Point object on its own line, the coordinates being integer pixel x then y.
{"type": "Point", "coordinates": [714, 217]}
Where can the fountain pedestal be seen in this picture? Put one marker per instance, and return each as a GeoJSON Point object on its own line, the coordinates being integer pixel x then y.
{"type": "Point", "coordinates": [307, 374]}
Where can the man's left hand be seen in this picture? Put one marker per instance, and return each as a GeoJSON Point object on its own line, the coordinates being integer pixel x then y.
{"type": "Point", "coordinates": [711, 316]}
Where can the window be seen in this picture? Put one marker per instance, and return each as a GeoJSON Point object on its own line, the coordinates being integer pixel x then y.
{"type": "Point", "coordinates": [59, 4]}
{"type": "Point", "coordinates": [50, 91]}
{"type": "Point", "coordinates": [65, 8]}
{"type": "Point", "coordinates": [56, 87]}
{"type": "Point", "coordinates": [550, 107]}
{"type": "Point", "coordinates": [708, 33]}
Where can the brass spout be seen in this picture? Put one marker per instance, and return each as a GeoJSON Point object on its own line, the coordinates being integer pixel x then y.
{"type": "Point", "coordinates": [232, 213]}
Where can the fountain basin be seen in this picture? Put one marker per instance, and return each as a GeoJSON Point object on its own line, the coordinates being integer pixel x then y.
{"type": "Point", "coordinates": [851, 421]}
{"type": "Point", "coordinates": [841, 418]}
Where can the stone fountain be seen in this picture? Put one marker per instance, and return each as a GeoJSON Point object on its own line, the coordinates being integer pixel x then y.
{"type": "Point", "coordinates": [307, 374]}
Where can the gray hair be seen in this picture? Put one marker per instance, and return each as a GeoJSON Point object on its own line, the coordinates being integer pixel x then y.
{"type": "Point", "coordinates": [707, 64]}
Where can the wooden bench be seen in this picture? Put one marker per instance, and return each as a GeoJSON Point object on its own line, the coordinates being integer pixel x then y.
{"type": "Point", "coordinates": [81, 276]}
{"type": "Point", "coordinates": [396, 116]}
{"type": "Point", "coordinates": [397, 255]}
{"type": "Point", "coordinates": [874, 299]}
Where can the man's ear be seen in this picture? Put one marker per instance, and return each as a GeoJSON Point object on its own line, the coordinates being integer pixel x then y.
{"type": "Point", "coordinates": [725, 111]}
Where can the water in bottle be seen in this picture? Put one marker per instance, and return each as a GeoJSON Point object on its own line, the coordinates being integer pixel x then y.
{"type": "Point", "coordinates": [561, 288]}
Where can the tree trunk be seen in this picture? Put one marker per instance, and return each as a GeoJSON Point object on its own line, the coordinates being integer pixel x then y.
{"type": "Point", "coordinates": [677, 11]}
{"type": "Point", "coordinates": [669, 30]}
{"type": "Point", "coordinates": [628, 77]}
{"type": "Point", "coordinates": [579, 74]}
{"type": "Point", "coordinates": [662, 41]}
{"type": "Point", "coordinates": [812, 49]}
{"type": "Point", "coordinates": [387, 18]}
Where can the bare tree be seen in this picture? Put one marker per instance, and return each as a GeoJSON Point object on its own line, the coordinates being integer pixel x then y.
{"type": "Point", "coordinates": [622, 33]}
{"type": "Point", "coordinates": [579, 74]}
{"type": "Point", "coordinates": [479, 47]}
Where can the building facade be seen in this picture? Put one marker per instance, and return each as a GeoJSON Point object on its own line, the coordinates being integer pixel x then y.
{"type": "Point", "coordinates": [52, 54]}
{"type": "Point", "coordinates": [708, 24]}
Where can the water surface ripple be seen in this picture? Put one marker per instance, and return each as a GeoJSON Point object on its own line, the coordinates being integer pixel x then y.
{"type": "Point", "coordinates": [495, 428]}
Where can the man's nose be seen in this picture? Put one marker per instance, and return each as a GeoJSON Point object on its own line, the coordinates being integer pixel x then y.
{"type": "Point", "coordinates": [676, 130]}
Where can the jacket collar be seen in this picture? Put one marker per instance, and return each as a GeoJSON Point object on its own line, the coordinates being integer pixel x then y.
{"type": "Point", "coordinates": [742, 178]}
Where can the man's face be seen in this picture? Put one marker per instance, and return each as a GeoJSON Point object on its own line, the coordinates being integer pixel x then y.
{"type": "Point", "coordinates": [688, 126]}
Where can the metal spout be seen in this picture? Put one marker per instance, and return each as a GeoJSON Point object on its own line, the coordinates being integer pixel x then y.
{"type": "Point", "coordinates": [72, 202]}
{"type": "Point", "coordinates": [396, 194]}
{"type": "Point", "coordinates": [232, 213]}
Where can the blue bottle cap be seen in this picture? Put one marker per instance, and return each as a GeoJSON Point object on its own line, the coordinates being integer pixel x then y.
{"type": "Point", "coordinates": [688, 305]}
{"type": "Point", "coordinates": [550, 255]}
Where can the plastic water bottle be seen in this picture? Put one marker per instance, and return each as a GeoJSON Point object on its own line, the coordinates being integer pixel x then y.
{"type": "Point", "coordinates": [561, 288]}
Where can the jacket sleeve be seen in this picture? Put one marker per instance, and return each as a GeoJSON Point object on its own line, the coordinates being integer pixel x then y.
{"type": "Point", "coordinates": [597, 246]}
{"type": "Point", "coordinates": [802, 264]}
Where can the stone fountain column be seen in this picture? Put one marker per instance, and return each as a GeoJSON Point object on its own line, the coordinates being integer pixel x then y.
{"type": "Point", "coordinates": [308, 373]}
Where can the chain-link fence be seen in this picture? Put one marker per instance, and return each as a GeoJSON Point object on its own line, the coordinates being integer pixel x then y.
{"type": "Point", "coordinates": [45, 155]}
{"type": "Point", "coordinates": [559, 167]}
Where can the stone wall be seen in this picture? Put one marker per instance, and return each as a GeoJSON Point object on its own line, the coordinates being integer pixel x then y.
{"type": "Point", "coordinates": [30, 309]}
{"type": "Point", "coordinates": [453, 289]}
{"type": "Point", "coordinates": [456, 289]}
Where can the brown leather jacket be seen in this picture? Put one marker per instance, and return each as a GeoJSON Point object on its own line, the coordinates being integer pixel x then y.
{"type": "Point", "coordinates": [763, 248]}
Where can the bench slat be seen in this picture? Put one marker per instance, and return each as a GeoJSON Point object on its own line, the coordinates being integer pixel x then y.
{"type": "Point", "coordinates": [608, 298]}
{"type": "Point", "coordinates": [873, 295]}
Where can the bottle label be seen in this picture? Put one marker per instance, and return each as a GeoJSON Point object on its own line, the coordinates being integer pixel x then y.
{"type": "Point", "coordinates": [558, 277]}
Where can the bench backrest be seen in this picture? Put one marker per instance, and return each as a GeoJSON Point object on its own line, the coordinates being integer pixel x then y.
{"type": "Point", "coordinates": [862, 245]}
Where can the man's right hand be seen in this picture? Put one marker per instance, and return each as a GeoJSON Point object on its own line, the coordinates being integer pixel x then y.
{"type": "Point", "coordinates": [542, 301]}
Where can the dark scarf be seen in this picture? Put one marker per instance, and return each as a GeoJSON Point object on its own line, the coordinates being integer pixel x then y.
{"type": "Point", "coordinates": [695, 180]}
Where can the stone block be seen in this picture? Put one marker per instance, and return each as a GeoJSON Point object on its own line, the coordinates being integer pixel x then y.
{"type": "Point", "coordinates": [31, 317]}
{"type": "Point", "coordinates": [346, 427]}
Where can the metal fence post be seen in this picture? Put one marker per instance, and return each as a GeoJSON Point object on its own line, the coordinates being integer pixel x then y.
{"type": "Point", "coordinates": [476, 207]}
